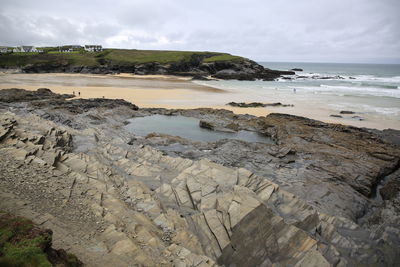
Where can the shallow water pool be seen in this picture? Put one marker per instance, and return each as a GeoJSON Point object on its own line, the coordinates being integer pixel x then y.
{"type": "Point", "coordinates": [188, 128]}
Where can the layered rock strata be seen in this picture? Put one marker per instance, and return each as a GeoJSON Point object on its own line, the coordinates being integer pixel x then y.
{"type": "Point", "coordinates": [113, 198]}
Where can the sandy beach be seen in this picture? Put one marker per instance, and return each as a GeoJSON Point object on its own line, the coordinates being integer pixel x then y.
{"type": "Point", "coordinates": [168, 92]}
{"type": "Point", "coordinates": [159, 91]}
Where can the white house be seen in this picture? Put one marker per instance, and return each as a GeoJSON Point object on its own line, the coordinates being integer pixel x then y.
{"type": "Point", "coordinates": [93, 48]}
{"type": "Point", "coordinates": [25, 49]}
{"type": "Point", "coordinates": [64, 49]}
{"type": "Point", "coordinates": [69, 48]}
{"type": "Point", "coordinates": [4, 49]}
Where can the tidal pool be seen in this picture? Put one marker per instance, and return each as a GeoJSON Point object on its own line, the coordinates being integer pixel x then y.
{"type": "Point", "coordinates": [188, 128]}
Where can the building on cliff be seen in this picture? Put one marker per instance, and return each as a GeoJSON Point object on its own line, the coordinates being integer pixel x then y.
{"type": "Point", "coordinates": [69, 48]}
{"type": "Point", "coordinates": [4, 49]}
{"type": "Point", "coordinates": [25, 49]}
{"type": "Point", "coordinates": [93, 48]}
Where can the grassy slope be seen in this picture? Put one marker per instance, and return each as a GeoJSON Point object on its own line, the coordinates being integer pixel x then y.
{"type": "Point", "coordinates": [23, 245]}
{"type": "Point", "coordinates": [22, 59]}
{"type": "Point", "coordinates": [114, 56]}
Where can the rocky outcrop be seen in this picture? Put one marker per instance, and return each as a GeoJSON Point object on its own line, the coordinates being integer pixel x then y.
{"type": "Point", "coordinates": [84, 105]}
{"type": "Point", "coordinates": [113, 198]}
{"type": "Point", "coordinates": [346, 112]}
{"type": "Point", "coordinates": [198, 208]}
{"type": "Point", "coordinates": [257, 104]}
{"type": "Point", "coordinates": [244, 70]}
{"type": "Point", "coordinates": [206, 125]}
{"type": "Point", "coordinates": [21, 95]}
{"type": "Point", "coordinates": [45, 97]}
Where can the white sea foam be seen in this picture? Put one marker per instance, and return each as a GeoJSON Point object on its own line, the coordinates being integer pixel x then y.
{"type": "Point", "coordinates": [366, 109]}
{"type": "Point", "coordinates": [372, 78]}
{"type": "Point", "coordinates": [350, 78]}
{"type": "Point", "coordinates": [361, 90]}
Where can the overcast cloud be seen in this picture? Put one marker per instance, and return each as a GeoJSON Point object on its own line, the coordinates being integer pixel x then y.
{"type": "Point", "coordinates": [273, 30]}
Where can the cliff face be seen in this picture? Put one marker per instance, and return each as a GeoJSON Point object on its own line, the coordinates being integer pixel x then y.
{"type": "Point", "coordinates": [197, 64]}
{"type": "Point", "coordinates": [115, 198]}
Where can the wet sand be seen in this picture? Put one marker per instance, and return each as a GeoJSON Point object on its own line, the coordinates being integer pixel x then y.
{"type": "Point", "coordinates": [160, 91]}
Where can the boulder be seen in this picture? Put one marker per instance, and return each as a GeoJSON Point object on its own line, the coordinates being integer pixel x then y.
{"type": "Point", "coordinates": [206, 125]}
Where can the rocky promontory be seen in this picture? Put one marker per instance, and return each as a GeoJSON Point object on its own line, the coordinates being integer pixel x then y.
{"type": "Point", "coordinates": [320, 194]}
{"type": "Point", "coordinates": [201, 65]}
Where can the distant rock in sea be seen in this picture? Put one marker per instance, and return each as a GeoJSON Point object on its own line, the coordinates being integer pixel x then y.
{"type": "Point", "coordinates": [258, 104]}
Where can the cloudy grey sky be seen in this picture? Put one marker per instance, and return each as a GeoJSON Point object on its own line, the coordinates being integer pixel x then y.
{"type": "Point", "coordinates": [263, 30]}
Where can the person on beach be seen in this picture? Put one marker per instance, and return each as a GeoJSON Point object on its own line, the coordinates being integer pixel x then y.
{"type": "Point", "coordinates": [294, 90]}
{"type": "Point", "coordinates": [79, 93]}
{"type": "Point", "coordinates": [73, 92]}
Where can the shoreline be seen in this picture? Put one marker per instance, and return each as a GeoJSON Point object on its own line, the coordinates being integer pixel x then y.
{"type": "Point", "coordinates": [170, 92]}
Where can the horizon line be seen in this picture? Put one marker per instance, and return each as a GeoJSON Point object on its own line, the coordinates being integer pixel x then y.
{"type": "Point", "coordinates": [329, 62]}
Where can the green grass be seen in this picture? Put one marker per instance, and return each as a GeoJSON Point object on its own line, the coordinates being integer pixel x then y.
{"type": "Point", "coordinates": [20, 245]}
{"type": "Point", "coordinates": [58, 52]}
{"type": "Point", "coordinates": [108, 56]}
{"type": "Point", "coordinates": [146, 56]}
{"type": "Point", "coordinates": [222, 57]}
{"type": "Point", "coordinates": [26, 53]}
{"type": "Point", "coordinates": [24, 245]}
{"type": "Point", "coordinates": [27, 252]}
{"type": "Point", "coordinates": [23, 59]}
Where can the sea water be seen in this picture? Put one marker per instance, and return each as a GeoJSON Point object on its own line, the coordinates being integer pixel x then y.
{"type": "Point", "coordinates": [323, 89]}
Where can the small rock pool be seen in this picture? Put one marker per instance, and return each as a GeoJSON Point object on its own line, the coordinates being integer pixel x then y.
{"type": "Point", "coordinates": [188, 128]}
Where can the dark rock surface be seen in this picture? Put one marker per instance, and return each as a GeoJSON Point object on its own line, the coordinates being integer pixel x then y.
{"type": "Point", "coordinates": [391, 188]}
{"type": "Point", "coordinates": [21, 95]}
{"type": "Point", "coordinates": [83, 105]}
{"type": "Point", "coordinates": [44, 97]}
{"type": "Point", "coordinates": [206, 125]}
{"type": "Point", "coordinates": [296, 69]}
{"type": "Point", "coordinates": [257, 104]}
{"type": "Point", "coordinates": [347, 112]}
{"type": "Point", "coordinates": [389, 135]}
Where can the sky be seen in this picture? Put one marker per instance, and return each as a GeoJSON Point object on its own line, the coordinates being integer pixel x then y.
{"type": "Point", "coordinates": [358, 31]}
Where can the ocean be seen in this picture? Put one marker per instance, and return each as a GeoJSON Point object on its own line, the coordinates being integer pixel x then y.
{"type": "Point", "coordinates": [372, 91]}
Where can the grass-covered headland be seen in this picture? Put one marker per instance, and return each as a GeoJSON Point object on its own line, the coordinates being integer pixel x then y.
{"type": "Point", "coordinates": [199, 65]}
{"type": "Point", "coordinates": [109, 56]}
